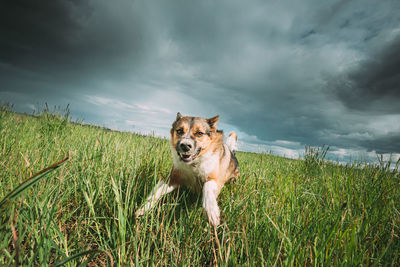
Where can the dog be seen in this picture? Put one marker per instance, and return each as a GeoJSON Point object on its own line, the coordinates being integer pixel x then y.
{"type": "Point", "coordinates": [202, 162]}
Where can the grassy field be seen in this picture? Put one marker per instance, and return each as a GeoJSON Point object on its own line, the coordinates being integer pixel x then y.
{"type": "Point", "coordinates": [279, 212]}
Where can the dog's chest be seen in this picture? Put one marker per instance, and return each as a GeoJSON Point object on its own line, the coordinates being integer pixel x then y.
{"type": "Point", "coordinates": [194, 175]}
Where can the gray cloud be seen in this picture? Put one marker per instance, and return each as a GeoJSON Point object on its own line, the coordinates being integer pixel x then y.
{"type": "Point", "coordinates": [302, 73]}
{"type": "Point", "coordinates": [373, 84]}
{"type": "Point", "coordinates": [76, 42]}
{"type": "Point", "coordinates": [382, 145]}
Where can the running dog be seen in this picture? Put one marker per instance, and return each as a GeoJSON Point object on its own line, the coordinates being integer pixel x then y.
{"type": "Point", "coordinates": [202, 162]}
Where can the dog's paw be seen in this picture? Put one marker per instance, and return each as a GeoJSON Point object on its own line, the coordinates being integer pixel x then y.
{"type": "Point", "coordinates": [213, 213]}
{"type": "Point", "coordinates": [214, 218]}
{"type": "Point", "coordinates": [210, 205]}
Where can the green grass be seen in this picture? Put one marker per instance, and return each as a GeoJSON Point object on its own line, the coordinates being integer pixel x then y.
{"type": "Point", "coordinates": [279, 212]}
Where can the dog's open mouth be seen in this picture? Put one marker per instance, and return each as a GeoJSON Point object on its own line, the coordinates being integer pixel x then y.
{"type": "Point", "coordinates": [188, 157]}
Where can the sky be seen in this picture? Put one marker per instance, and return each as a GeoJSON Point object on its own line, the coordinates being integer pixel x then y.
{"type": "Point", "coordinates": [282, 74]}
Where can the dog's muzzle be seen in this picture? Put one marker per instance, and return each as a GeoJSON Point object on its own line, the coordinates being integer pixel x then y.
{"type": "Point", "coordinates": [186, 150]}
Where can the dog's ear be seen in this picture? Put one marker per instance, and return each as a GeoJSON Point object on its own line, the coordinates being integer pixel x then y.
{"type": "Point", "coordinates": [178, 116]}
{"type": "Point", "coordinates": [213, 122]}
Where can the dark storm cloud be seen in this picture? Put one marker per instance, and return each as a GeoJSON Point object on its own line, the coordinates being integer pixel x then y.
{"type": "Point", "coordinates": [373, 85]}
{"type": "Point", "coordinates": [386, 144]}
{"type": "Point", "coordinates": [257, 70]}
{"type": "Point", "coordinates": [70, 41]}
{"type": "Point", "coordinates": [282, 73]}
{"type": "Point", "coordinates": [271, 71]}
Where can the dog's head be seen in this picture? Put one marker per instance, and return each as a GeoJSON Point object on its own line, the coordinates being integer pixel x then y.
{"type": "Point", "coordinates": [191, 137]}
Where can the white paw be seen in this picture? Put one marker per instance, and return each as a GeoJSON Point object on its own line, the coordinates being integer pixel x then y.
{"type": "Point", "coordinates": [210, 193]}
{"type": "Point", "coordinates": [212, 211]}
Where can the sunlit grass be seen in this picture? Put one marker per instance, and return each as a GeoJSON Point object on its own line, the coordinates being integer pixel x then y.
{"type": "Point", "coordinates": [279, 212]}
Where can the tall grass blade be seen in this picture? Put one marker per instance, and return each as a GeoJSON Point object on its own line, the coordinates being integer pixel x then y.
{"type": "Point", "coordinates": [29, 182]}
{"type": "Point", "coordinates": [76, 256]}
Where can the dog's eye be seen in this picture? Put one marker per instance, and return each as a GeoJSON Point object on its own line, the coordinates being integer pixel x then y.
{"type": "Point", "coordinates": [199, 134]}
{"type": "Point", "coordinates": [179, 131]}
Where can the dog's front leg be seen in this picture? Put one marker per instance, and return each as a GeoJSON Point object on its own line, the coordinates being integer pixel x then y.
{"type": "Point", "coordinates": [158, 191]}
{"type": "Point", "coordinates": [210, 205]}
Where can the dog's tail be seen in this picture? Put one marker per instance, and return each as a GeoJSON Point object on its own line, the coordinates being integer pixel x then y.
{"type": "Point", "coordinates": [231, 141]}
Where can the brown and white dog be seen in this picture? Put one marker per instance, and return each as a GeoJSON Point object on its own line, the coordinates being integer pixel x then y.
{"type": "Point", "coordinates": [202, 161]}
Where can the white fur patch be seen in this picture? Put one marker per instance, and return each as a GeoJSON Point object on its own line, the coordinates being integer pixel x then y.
{"type": "Point", "coordinates": [208, 162]}
{"type": "Point", "coordinates": [158, 191]}
{"type": "Point", "coordinates": [210, 205]}
{"type": "Point", "coordinates": [196, 172]}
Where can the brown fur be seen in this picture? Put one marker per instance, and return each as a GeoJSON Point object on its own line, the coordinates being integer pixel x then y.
{"type": "Point", "coordinates": [202, 162]}
{"type": "Point", "coordinates": [227, 165]}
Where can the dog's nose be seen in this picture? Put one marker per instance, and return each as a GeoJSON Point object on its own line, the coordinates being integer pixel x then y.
{"type": "Point", "coordinates": [185, 147]}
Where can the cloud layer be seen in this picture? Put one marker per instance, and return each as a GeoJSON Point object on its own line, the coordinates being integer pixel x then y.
{"type": "Point", "coordinates": [283, 74]}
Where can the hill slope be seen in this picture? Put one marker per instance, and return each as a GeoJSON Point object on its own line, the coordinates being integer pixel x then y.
{"type": "Point", "coordinates": [279, 211]}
